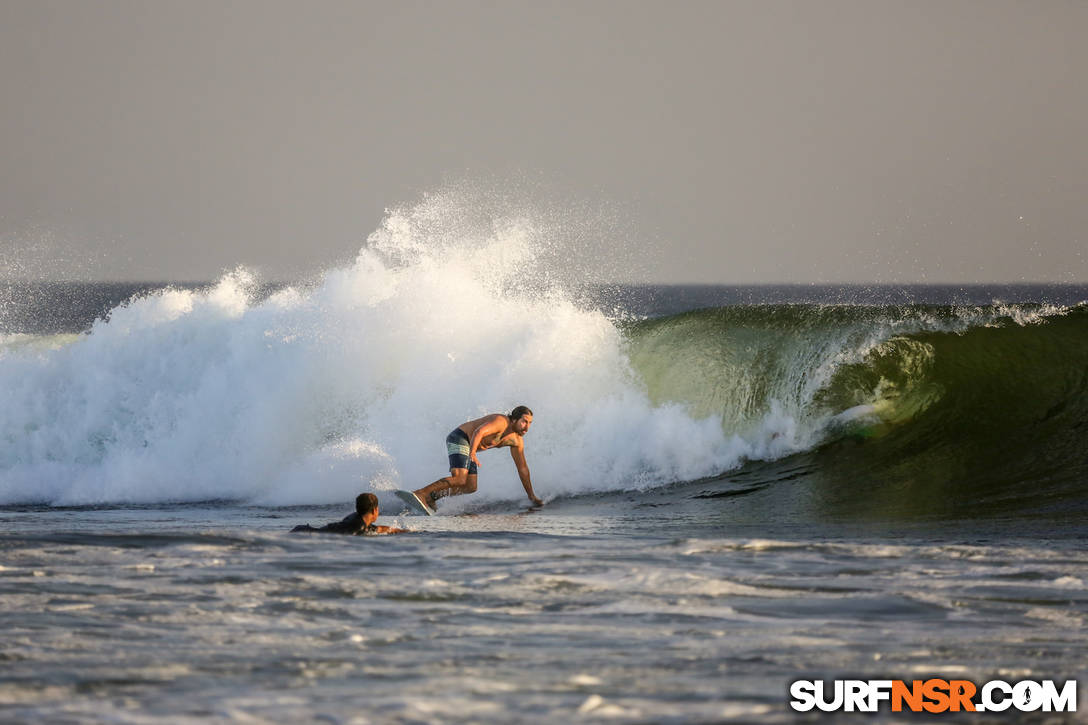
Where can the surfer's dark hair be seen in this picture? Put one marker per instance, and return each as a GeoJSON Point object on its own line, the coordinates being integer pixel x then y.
{"type": "Point", "coordinates": [519, 411]}
{"type": "Point", "coordinates": [365, 503]}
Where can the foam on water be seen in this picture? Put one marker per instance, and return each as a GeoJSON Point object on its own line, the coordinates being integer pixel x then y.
{"type": "Point", "coordinates": [352, 383]}
{"type": "Point", "coordinates": [142, 616]}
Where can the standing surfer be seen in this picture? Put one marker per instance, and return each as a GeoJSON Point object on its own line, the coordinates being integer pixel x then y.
{"type": "Point", "coordinates": [462, 444]}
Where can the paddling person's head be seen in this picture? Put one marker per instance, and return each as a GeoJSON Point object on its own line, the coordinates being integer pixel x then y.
{"type": "Point", "coordinates": [366, 505]}
{"type": "Point", "coordinates": [520, 419]}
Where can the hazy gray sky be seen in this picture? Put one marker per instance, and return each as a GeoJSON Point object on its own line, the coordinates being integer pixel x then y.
{"type": "Point", "coordinates": [759, 141]}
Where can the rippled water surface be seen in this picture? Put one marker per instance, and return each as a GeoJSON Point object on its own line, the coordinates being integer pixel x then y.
{"type": "Point", "coordinates": [215, 613]}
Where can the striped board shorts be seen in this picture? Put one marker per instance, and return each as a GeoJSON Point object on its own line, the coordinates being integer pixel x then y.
{"type": "Point", "coordinates": [457, 445]}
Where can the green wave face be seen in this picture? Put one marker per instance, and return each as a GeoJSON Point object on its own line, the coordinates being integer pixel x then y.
{"type": "Point", "coordinates": [900, 411]}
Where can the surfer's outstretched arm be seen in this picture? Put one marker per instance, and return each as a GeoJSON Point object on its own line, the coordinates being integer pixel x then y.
{"type": "Point", "coordinates": [517, 452]}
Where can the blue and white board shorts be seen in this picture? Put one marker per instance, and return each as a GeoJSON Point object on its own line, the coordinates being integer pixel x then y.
{"type": "Point", "coordinates": [457, 445]}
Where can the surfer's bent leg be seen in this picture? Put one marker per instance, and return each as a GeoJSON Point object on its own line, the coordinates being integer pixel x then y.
{"type": "Point", "coordinates": [462, 478]}
{"type": "Point", "coordinates": [458, 482]}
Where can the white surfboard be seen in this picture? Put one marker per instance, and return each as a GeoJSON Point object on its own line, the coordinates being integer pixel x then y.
{"type": "Point", "coordinates": [414, 504]}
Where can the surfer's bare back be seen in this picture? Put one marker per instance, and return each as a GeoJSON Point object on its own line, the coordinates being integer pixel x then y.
{"type": "Point", "coordinates": [466, 440]}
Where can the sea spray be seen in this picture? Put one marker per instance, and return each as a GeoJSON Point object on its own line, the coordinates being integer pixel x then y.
{"type": "Point", "coordinates": [316, 393]}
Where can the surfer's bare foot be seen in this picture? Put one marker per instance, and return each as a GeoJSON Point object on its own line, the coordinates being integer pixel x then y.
{"type": "Point", "coordinates": [430, 502]}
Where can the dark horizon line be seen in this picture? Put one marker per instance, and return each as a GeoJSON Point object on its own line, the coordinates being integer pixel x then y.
{"type": "Point", "coordinates": [265, 283]}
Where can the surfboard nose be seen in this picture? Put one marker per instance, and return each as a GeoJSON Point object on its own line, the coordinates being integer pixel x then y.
{"type": "Point", "coordinates": [413, 503]}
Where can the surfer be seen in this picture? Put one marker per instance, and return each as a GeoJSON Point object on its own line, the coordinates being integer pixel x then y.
{"type": "Point", "coordinates": [466, 440]}
{"type": "Point", "coordinates": [360, 523]}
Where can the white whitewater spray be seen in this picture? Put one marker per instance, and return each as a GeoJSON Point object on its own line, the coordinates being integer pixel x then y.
{"type": "Point", "coordinates": [315, 394]}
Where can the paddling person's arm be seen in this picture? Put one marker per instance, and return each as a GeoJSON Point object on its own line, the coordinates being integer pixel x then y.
{"type": "Point", "coordinates": [389, 530]}
{"type": "Point", "coordinates": [517, 452]}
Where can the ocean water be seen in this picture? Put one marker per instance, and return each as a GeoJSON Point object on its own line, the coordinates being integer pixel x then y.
{"type": "Point", "coordinates": [743, 487]}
